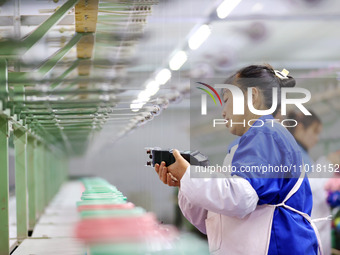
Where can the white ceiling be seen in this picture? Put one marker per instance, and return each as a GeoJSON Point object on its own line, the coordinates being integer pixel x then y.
{"type": "Point", "coordinates": [292, 32]}
{"type": "Point", "coordinates": [302, 36]}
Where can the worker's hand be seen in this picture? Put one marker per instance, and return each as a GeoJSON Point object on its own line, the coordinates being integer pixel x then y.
{"type": "Point", "coordinates": [178, 168]}
{"type": "Point", "coordinates": [165, 176]}
{"type": "Point", "coordinates": [173, 174]}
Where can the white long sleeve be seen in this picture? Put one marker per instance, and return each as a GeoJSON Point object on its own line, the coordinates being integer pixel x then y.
{"type": "Point", "coordinates": [228, 196]}
{"type": "Point", "coordinates": [194, 214]}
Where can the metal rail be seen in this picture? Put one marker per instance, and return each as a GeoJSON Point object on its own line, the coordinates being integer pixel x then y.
{"type": "Point", "coordinates": [54, 110]}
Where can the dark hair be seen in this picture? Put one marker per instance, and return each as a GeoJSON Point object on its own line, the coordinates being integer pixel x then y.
{"type": "Point", "coordinates": [262, 77]}
{"type": "Point", "coordinates": [305, 120]}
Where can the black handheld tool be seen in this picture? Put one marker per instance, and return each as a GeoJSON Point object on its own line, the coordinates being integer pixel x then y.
{"type": "Point", "coordinates": [157, 155]}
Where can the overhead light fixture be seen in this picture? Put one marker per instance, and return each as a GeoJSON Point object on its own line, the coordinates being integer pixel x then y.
{"type": "Point", "coordinates": [226, 7]}
{"type": "Point", "coordinates": [152, 87]}
{"type": "Point", "coordinates": [143, 96]}
{"type": "Point", "coordinates": [257, 7]}
{"type": "Point", "coordinates": [136, 105]}
{"type": "Point", "coordinates": [163, 76]}
{"type": "Point", "coordinates": [199, 37]}
{"type": "Point", "coordinates": [104, 97]}
{"type": "Point", "coordinates": [178, 60]}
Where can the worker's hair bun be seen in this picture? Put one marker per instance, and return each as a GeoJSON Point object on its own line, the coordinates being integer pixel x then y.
{"type": "Point", "coordinates": [287, 83]}
{"type": "Point", "coordinates": [263, 77]}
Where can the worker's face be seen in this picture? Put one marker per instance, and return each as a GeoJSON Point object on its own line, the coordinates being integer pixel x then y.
{"type": "Point", "coordinates": [227, 114]}
{"type": "Point", "coordinates": [240, 122]}
{"type": "Point", "coordinates": [309, 137]}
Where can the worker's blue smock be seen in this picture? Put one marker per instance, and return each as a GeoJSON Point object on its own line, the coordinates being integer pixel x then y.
{"type": "Point", "coordinates": [291, 233]}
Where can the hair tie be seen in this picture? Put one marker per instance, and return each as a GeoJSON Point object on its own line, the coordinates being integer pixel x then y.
{"type": "Point", "coordinates": [282, 75]}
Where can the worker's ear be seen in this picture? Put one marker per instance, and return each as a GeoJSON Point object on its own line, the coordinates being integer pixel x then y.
{"type": "Point", "coordinates": [256, 97]}
{"type": "Point", "coordinates": [299, 129]}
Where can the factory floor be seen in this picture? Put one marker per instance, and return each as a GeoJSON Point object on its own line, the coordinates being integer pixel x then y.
{"type": "Point", "coordinates": [54, 232]}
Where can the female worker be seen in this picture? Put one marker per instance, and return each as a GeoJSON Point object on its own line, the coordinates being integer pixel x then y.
{"type": "Point", "coordinates": [306, 133]}
{"type": "Point", "coordinates": [251, 213]}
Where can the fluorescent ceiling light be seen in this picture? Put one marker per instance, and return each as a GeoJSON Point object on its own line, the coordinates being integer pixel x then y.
{"type": "Point", "coordinates": [104, 97]}
{"type": "Point", "coordinates": [152, 87]}
{"type": "Point", "coordinates": [163, 76]}
{"type": "Point", "coordinates": [200, 35]}
{"type": "Point", "coordinates": [257, 7]}
{"type": "Point", "coordinates": [226, 7]}
{"type": "Point", "coordinates": [136, 105]}
{"type": "Point", "coordinates": [178, 60]}
{"type": "Point", "coordinates": [143, 96]}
